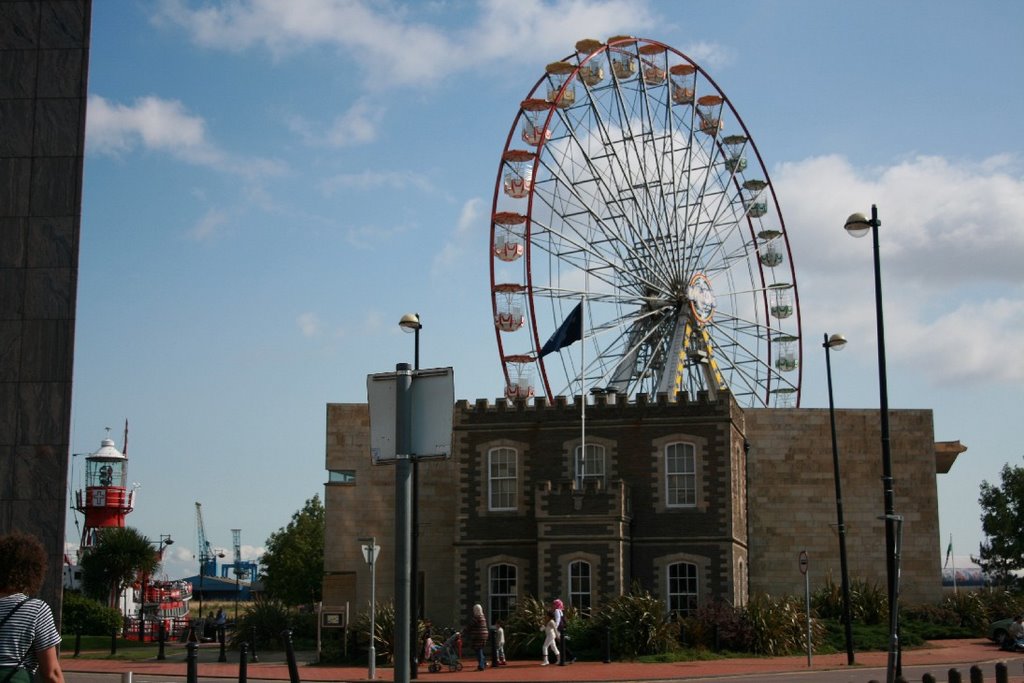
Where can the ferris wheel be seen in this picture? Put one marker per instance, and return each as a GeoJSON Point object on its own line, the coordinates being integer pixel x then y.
{"type": "Point", "coordinates": [632, 201]}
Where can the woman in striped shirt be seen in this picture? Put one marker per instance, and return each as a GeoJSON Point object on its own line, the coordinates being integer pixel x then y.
{"type": "Point", "coordinates": [28, 636]}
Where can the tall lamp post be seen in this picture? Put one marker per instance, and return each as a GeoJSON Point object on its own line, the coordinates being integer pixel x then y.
{"type": "Point", "coordinates": [858, 225]}
{"type": "Point", "coordinates": [837, 342]}
{"type": "Point", "coordinates": [411, 322]}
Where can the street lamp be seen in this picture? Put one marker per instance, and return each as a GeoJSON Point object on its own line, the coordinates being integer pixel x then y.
{"type": "Point", "coordinates": [858, 225]}
{"type": "Point", "coordinates": [837, 342]}
{"type": "Point", "coordinates": [411, 322]}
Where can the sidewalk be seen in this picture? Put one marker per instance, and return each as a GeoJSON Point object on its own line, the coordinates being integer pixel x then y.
{"type": "Point", "coordinates": [940, 656]}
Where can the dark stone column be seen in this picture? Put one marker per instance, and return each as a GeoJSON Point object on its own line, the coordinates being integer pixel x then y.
{"type": "Point", "coordinates": [44, 57]}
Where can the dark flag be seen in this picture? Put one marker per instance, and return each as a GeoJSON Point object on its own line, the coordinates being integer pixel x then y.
{"type": "Point", "coordinates": [571, 330]}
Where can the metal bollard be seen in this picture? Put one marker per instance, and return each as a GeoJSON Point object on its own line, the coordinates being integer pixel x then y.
{"type": "Point", "coordinates": [243, 665]}
{"type": "Point", "coordinates": [113, 642]}
{"type": "Point", "coordinates": [977, 675]}
{"type": "Point", "coordinates": [494, 648]}
{"type": "Point", "coordinates": [607, 644]}
{"type": "Point", "coordinates": [561, 648]}
{"type": "Point", "coordinates": [162, 637]}
{"type": "Point", "coordinates": [191, 663]}
{"type": "Point", "coordinates": [1002, 673]}
{"type": "Point", "coordinates": [289, 649]}
{"type": "Point", "coordinates": [126, 677]}
{"type": "Point", "coordinates": [78, 643]}
{"type": "Point", "coordinates": [954, 676]}
{"type": "Point", "coordinates": [255, 656]}
{"type": "Point", "coordinates": [223, 657]}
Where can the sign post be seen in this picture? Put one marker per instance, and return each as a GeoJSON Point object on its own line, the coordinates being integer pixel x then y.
{"type": "Point", "coordinates": [370, 552]}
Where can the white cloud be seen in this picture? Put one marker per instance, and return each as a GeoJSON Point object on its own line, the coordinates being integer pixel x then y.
{"type": "Point", "coordinates": [950, 250]}
{"type": "Point", "coordinates": [163, 126]}
{"type": "Point", "coordinates": [309, 324]}
{"type": "Point", "coordinates": [211, 221]}
{"type": "Point", "coordinates": [469, 228]}
{"type": "Point", "coordinates": [393, 47]}
{"type": "Point", "coordinates": [372, 180]}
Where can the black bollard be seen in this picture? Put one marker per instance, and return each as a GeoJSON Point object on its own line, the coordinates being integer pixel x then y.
{"type": "Point", "coordinates": [255, 656]}
{"type": "Point", "coordinates": [162, 638]}
{"type": "Point", "coordinates": [561, 648]}
{"type": "Point", "coordinates": [191, 663]}
{"type": "Point", "coordinates": [243, 665]}
{"type": "Point", "coordinates": [977, 676]}
{"type": "Point", "coordinates": [900, 679]}
{"type": "Point", "coordinates": [78, 643]}
{"type": "Point", "coordinates": [113, 642]}
{"type": "Point", "coordinates": [928, 678]}
{"type": "Point", "coordinates": [954, 676]}
{"type": "Point", "coordinates": [289, 650]}
{"type": "Point", "coordinates": [494, 648]}
{"type": "Point", "coordinates": [1002, 673]}
{"type": "Point", "coordinates": [607, 644]}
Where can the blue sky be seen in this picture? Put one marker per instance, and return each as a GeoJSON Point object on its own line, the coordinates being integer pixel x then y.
{"type": "Point", "coordinates": [269, 187]}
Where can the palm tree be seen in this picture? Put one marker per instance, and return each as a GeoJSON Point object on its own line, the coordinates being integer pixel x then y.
{"type": "Point", "coordinates": [120, 555]}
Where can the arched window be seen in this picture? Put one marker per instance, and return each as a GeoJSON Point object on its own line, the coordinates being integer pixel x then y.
{"type": "Point", "coordinates": [579, 585]}
{"type": "Point", "coordinates": [502, 473]}
{"type": "Point", "coordinates": [680, 475]}
{"type": "Point", "coordinates": [591, 467]}
{"type": "Point", "coordinates": [682, 588]}
{"type": "Point", "coordinates": [503, 579]}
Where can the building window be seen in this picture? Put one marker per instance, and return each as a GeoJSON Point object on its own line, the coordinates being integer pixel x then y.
{"type": "Point", "coordinates": [503, 591]}
{"type": "Point", "coordinates": [579, 585]}
{"type": "Point", "coordinates": [680, 475]}
{"type": "Point", "coordinates": [341, 477]}
{"type": "Point", "coordinates": [502, 479]}
{"type": "Point", "coordinates": [682, 589]}
{"type": "Point", "coordinates": [590, 468]}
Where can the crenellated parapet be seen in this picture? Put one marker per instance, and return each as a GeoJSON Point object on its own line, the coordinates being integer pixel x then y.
{"type": "Point", "coordinates": [567, 497]}
{"type": "Point", "coordinates": [599, 407]}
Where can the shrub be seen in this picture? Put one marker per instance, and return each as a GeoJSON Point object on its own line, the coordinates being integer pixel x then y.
{"type": "Point", "coordinates": [384, 630]}
{"type": "Point", "coordinates": [523, 636]}
{"type": "Point", "coordinates": [87, 616]}
{"type": "Point", "coordinates": [638, 625]}
{"type": "Point", "coordinates": [264, 619]}
{"type": "Point", "coordinates": [779, 626]}
{"type": "Point", "coordinates": [719, 626]}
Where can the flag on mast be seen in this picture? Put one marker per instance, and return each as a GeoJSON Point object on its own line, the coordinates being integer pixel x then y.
{"type": "Point", "coordinates": [569, 332]}
{"type": "Point", "coordinates": [949, 552]}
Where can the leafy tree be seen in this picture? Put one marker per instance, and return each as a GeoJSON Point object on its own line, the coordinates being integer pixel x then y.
{"type": "Point", "coordinates": [293, 564]}
{"type": "Point", "coordinates": [1002, 519]}
{"type": "Point", "coordinates": [112, 565]}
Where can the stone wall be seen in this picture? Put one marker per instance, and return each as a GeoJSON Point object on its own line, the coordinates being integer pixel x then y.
{"type": "Point", "coordinates": [44, 50]}
{"type": "Point", "coordinates": [793, 505]}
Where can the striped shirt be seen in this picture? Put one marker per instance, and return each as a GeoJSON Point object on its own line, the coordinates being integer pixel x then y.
{"type": "Point", "coordinates": [30, 630]}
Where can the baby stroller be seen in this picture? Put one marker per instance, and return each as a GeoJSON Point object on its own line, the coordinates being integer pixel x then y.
{"type": "Point", "coordinates": [446, 654]}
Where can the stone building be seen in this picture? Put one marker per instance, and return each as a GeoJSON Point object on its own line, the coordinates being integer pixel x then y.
{"type": "Point", "coordinates": [691, 500]}
{"type": "Point", "coordinates": [44, 61]}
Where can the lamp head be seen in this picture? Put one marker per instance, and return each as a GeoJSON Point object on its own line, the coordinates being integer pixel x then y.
{"type": "Point", "coordinates": [858, 225]}
{"type": "Point", "coordinates": [410, 322]}
{"type": "Point", "coordinates": [835, 342]}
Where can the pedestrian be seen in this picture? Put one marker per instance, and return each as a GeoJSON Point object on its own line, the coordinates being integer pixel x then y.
{"type": "Point", "coordinates": [478, 634]}
{"type": "Point", "coordinates": [499, 640]}
{"type": "Point", "coordinates": [562, 624]}
{"type": "Point", "coordinates": [28, 636]}
{"type": "Point", "coordinates": [550, 630]}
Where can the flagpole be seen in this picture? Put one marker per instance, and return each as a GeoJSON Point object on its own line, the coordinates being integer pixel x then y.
{"type": "Point", "coordinates": [583, 392]}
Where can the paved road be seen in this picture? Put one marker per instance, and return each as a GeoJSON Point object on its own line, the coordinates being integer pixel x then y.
{"type": "Point", "coordinates": [937, 659]}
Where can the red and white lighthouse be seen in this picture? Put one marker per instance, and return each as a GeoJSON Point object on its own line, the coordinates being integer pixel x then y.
{"type": "Point", "coordinates": [106, 500]}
